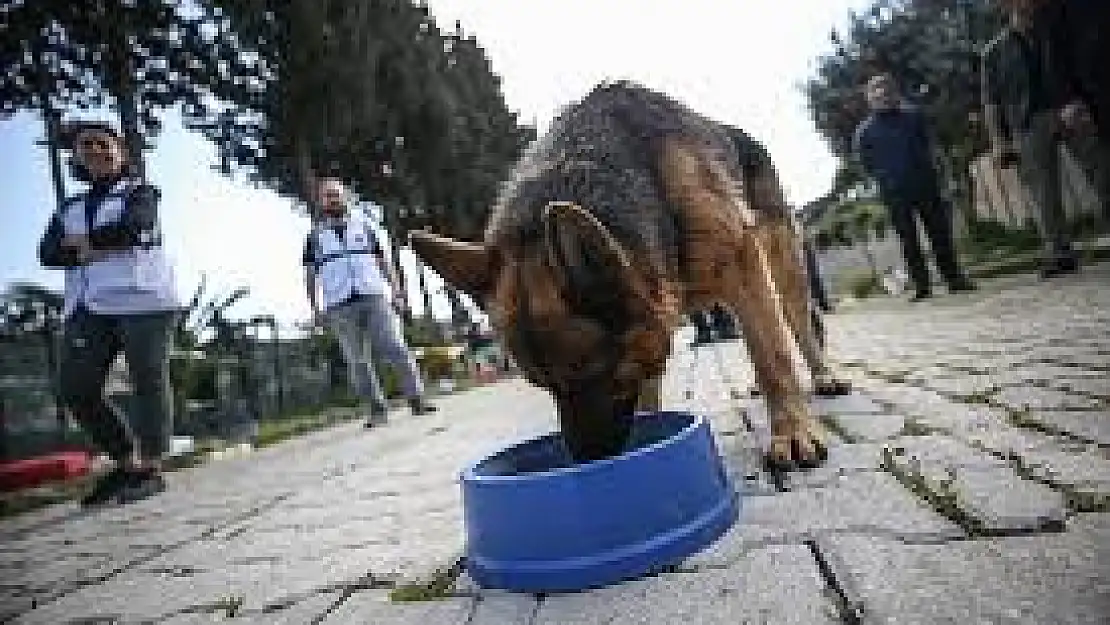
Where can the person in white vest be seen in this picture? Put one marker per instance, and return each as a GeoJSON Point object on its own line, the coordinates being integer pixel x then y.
{"type": "Point", "coordinates": [353, 290]}
{"type": "Point", "coordinates": [120, 296]}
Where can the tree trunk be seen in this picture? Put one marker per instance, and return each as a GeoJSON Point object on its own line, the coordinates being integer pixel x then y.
{"type": "Point", "coordinates": [52, 124]}
{"type": "Point", "coordinates": [120, 69]}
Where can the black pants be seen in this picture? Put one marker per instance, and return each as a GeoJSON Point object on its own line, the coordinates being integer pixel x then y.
{"type": "Point", "coordinates": [816, 283]}
{"type": "Point", "coordinates": [92, 343]}
{"type": "Point", "coordinates": [936, 216]}
{"type": "Point", "coordinates": [717, 319]}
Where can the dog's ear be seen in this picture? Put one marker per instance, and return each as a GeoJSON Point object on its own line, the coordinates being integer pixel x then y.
{"type": "Point", "coordinates": [594, 267]}
{"type": "Point", "coordinates": [463, 264]}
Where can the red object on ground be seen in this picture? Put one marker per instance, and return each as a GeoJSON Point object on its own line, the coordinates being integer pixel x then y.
{"type": "Point", "coordinates": [31, 472]}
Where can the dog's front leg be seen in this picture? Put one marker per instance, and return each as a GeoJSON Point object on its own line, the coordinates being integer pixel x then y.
{"type": "Point", "coordinates": [796, 441]}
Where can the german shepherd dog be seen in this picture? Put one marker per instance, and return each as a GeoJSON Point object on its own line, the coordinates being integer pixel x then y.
{"type": "Point", "coordinates": [629, 213]}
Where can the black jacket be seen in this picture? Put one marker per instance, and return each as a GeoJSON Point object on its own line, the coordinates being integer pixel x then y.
{"type": "Point", "coordinates": [140, 216]}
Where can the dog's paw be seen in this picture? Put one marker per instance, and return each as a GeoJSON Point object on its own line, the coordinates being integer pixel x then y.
{"type": "Point", "coordinates": [797, 452]}
{"type": "Point", "coordinates": [831, 387]}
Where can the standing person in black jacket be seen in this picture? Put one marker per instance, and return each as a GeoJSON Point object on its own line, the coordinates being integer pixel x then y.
{"type": "Point", "coordinates": [894, 146]}
{"type": "Point", "coordinates": [120, 296]}
{"type": "Point", "coordinates": [1077, 29]}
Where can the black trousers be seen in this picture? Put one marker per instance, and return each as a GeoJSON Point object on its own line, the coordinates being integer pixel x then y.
{"type": "Point", "coordinates": [936, 216]}
{"type": "Point", "coordinates": [816, 282]}
{"type": "Point", "coordinates": [92, 343]}
{"type": "Point", "coordinates": [717, 319]}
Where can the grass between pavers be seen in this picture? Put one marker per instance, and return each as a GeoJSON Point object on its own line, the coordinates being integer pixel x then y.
{"type": "Point", "coordinates": [942, 498]}
{"type": "Point", "coordinates": [1075, 500]}
{"type": "Point", "coordinates": [440, 585]}
{"type": "Point", "coordinates": [830, 423]}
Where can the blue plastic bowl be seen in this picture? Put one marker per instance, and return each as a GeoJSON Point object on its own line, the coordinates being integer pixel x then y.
{"type": "Point", "coordinates": [536, 522]}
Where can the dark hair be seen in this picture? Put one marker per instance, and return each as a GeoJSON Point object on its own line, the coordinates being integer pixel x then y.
{"type": "Point", "coordinates": [73, 130]}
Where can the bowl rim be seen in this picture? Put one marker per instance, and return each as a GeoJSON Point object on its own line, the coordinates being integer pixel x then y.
{"type": "Point", "coordinates": [697, 421]}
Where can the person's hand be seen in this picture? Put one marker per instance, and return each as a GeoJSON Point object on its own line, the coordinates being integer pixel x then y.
{"type": "Point", "coordinates": [1076, 118]}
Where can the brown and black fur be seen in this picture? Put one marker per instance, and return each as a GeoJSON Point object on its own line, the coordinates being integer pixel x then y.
{"type": "Point", "coordinates": [629, 213]}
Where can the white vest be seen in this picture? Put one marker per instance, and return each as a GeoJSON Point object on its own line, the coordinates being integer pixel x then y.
{"type": "Point", "coordinates": [135, 280]}
{"type": "Point", "coordinates": [346, 266]}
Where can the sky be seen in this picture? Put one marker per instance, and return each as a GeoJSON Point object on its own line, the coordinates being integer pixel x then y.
{"type": "Point", "coordinates": [740, 62]}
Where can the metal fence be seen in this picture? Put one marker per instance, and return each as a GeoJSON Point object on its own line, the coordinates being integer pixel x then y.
{"type": "Point", "coordinates": [229, 391]}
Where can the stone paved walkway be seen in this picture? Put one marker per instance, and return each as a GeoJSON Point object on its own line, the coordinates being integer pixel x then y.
{"type": "Point", "coordinates": [969, 482]}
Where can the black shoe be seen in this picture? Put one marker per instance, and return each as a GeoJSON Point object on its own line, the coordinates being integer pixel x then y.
{"type": "Point", "coordinates": [962, 286]}
{"type": "Point", "coordinates": [141, 484]}
{"type": "Point", "coordinates": [920, 296]}
{"type": "Point", "coordinates": [419, 407]}
{"type": "Point", "coordinates": [1060, 265]}
{"type": "Point", "coordinates": [107, 488]}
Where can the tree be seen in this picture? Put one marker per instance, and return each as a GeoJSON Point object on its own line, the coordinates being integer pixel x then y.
{"type": "Point", "coordinates": [30, 307]}
{"type": "Point", "coordinates": [140, 57]}
{"type": "Point", "coordinates": [373, 93]}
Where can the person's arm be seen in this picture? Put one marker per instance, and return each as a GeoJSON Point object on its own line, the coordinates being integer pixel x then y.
{"type": "Point", "coordinates": [308, 260]}
{"type": "Point", "coordinates": [861, 148]}
{"type": "Point", "coordinates": [388, 271]}
{"type": "Point", "coordinates": [52, 253]}
{"type": "Point", "coordinates": [137, 225]}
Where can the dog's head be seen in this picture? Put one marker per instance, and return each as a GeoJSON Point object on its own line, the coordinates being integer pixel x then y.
{"type": "Point", "coordinates": [578, 315]}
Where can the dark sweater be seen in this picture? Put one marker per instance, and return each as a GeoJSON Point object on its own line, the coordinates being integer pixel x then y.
{"type": "Point", "coordinates": [894, 147]}
{"type": "Point", "coordinates": [135, 228]}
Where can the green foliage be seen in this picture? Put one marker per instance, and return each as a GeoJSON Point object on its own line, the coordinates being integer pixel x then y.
{"type": "Point", "coordinates": [864, 284]}
{"type": "Point", "coordinates": [986, 238]}
{"type": "Point", "coordinates": [138, 56]}
{"type": "Point", "coordinates": [437, 362]}
{"type": "Point", "coordinates": [373, 92]}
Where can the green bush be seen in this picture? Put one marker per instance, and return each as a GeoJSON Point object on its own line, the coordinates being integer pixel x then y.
{"type": "Point", "coordinates": [987, 238]}
{"type": "Point", "coordinates": [864, 284]}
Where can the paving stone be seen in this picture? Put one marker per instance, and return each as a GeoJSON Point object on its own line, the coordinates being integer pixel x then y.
{"type": "Point", "coordinates": [1037, 398]}
{"type": "Point", "coordinates": [140, 595]}
{"type": "Point", "coordinates": [1092, 425]}
{"type": "Point", "coordinates": [1052, 578]}
{"type": "Point", "coordinates": [871, 427]}
{"type": "Point", "coordinates": [505, 609]}
{"type": "Point", "coordinates": [296, 612]}
{"type": "Point", "coordinates": [984, 487]}
{"type": "Point", "coordinates": [844, 460]}
{"type": "Point", "coordinates": [375, 607]}
{"type": "Point", "coordinates": [1008, 440]}
{"type": "Point", "coordinates": [1086, 473]}
{"type": "Point", "coordinates": [779, 584]}
{"type": "Point", "coordinates": [1097, 385]}
{"type": "Point", "coordinates": [858, 502]}
{"type": "Point", "coordinates": [856, 403]}
{"type": "Point", "coordinates": [1003, 501]}
{"type": "Point", "coordinates": [964, 385]}
{"type": "Point", "coordinates": [912, 451]}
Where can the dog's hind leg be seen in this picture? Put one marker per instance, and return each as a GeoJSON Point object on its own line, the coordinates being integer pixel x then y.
{"type": "Point", "coordinates": [732, 265]}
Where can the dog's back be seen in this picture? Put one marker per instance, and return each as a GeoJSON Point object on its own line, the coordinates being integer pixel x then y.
{"type": "Point", "coordinates": [602, 154]}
